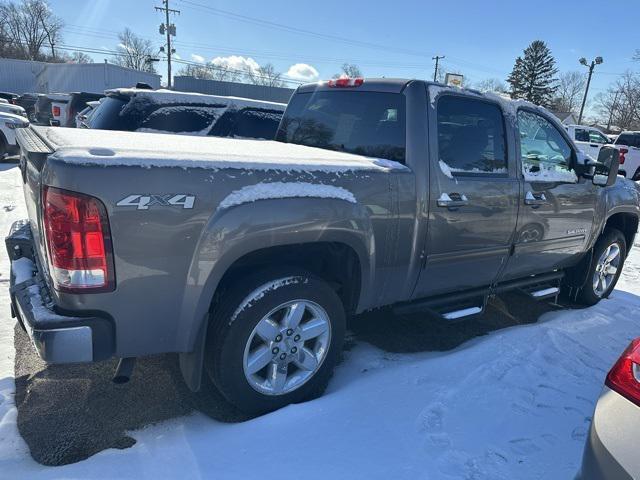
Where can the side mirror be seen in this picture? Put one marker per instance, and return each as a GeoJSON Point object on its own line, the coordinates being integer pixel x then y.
{"type": "Point", "coordinates": [607, 167]}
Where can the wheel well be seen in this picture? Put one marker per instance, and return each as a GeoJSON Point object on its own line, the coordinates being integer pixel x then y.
{"type": "Point", "coordinates": [627, 223]}
{"type": "Point", "coordinates": [334, 262]}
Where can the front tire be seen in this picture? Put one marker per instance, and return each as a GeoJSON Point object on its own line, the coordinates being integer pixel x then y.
{"type": "Point", "coordinates": [609, 254]}
{"type": "Point", "coordinates": [275, 341]}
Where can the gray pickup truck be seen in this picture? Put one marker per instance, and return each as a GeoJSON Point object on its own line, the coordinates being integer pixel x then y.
{"type": "Point", "coordinates": [245, 257]}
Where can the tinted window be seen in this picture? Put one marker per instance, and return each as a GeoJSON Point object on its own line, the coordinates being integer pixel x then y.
{"type": "Point", "coordinates": [546, 155]}
{"type": "Point", "coordinates": [365, 123]}
{"type": "Point", "coordinates": [582, 135]}
{"type": "Point", "coordinates": [256, 123]}
{"type": "Point", "coordinates": [471, 136]}
{"type": "Point", "coordinates": [629, 139]}
{"type": "Point", "coordinates": [180, 119]}
{"type": "Point", "coordinates": [107, 115]}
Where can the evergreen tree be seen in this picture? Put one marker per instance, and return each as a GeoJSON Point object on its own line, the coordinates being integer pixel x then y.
{"type": "Point", "coordinates": [533, 76]}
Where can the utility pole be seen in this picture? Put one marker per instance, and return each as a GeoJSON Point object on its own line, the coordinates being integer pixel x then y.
{"type": "Point", "coordinates": [583, 61]}
{"type": "Point", "coordinates": [435, 72]}
{"type": "Point", "coordinates": [170, 30]}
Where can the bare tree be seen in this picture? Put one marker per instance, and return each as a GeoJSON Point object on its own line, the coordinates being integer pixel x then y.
{"type": "Point", "coordinates": [203, 72]}
{"type": "Point", "coordinates": [264, 75]}
{"type": "Point", "coordinates": [80, 57]}
{"type": "Point", "coordinates": [349, 70]}
{"type": "Point", "coordinates": [569, 92]}
{"type": "Point", "coordinates": [620, 104]}
{"type": "Point", "coordinates": [134, 52]}
{"type": "Point", "coordinates": [28, 27]}
{"type": "Point", "coordinates": [491, 85]}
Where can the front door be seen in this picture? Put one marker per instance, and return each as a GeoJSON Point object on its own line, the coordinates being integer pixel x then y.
{"type": "Point", "coordinates": [473, 195]}
{"type": "Point", "coordinates": [557, 207]}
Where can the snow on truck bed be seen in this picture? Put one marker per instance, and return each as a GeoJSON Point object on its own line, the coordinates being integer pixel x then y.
{"type": "Point", "coordinates": [114, 148]}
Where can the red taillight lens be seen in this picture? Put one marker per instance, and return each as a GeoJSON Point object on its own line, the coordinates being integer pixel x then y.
{"type": "Point", "coordinates": [624, 377]}
{"type": "Point", "coordinates": [623, 152]}
{"type": "Point", "coordinates": [78, 241]}
{"type": "Point", "coordinates": [345, 82]}
{"type": "Point", "coordinates": [56, 111]}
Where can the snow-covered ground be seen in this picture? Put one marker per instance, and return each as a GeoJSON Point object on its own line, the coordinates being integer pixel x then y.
{"type": "Point", "coordinates": [515, 404]}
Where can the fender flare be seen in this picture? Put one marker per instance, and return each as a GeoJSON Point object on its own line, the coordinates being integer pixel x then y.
{"type": "Point", "coordinates": [232, 233]}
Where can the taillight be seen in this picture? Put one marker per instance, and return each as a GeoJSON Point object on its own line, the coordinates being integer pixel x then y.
{"type": "Point", "coordinates": [623, 152]}
{"type": "Point", "coordinates": [624, 377]}
{"type": "Point", "coordinates": [345, 82]}
{"type": "Point", "coordinates": [78, 242]}
{"type": "Point", "coordinates": [56, 111]}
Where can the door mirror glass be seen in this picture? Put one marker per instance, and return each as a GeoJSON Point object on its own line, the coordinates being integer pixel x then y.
{"type": "Point", "coordinates": [607, 167]}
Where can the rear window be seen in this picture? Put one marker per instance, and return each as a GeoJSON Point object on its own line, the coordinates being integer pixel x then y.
{"type": "Point", "coordinates": [107, 115]}
{"type": "Point", "coordinates": [180, 119]}
{"type": "Point", "coordinates": [256, 123]}
{"type": "Point", "coordinates": [629, 139]}
{"type": "Point", "coordinates": [364, 123]}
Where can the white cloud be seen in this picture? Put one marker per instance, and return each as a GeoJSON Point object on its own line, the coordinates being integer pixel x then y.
{"type": "Point", "coordinates": [236, 62]}
{"type": "Point", "coordinates": [197, 58]}
{"type": "Point", "coordinates": [302, 71]}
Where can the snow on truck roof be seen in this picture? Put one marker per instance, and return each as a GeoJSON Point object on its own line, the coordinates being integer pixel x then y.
{"type": "Point", "coordinates": [170, 96]}
{"type": "Point", "coordinates": [147, 150]}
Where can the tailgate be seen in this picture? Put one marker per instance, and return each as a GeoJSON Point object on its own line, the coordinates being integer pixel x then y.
{"type": "Point", "coordinates": [33, 156]}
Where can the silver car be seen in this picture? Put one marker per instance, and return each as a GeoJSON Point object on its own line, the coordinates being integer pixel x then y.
{"type": "Point", "coordinates": [611, 451]}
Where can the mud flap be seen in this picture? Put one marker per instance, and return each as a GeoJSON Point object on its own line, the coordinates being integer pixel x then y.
{"type": "Point", "coordinates": [191, 363]}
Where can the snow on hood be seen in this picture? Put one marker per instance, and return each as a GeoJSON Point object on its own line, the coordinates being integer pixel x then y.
{"type": "Point", "coordinates": [147, 150]}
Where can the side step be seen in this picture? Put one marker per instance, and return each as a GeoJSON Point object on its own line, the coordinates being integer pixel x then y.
{"type": "Point", "coordinates": [449, 307]}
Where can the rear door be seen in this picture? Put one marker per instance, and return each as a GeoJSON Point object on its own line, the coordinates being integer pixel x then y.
{"type": "Point", "coordinates": [557, 207]}
{"type": "Point", "coordinates": [582, 138]}
{"type": "Point", "coordinates": [473, 195]}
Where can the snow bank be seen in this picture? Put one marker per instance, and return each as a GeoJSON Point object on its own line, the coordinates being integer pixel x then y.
{"type": "Point", "coordinates": [265, 191]}
{"type": "Point", "coordinates": [147, 150]}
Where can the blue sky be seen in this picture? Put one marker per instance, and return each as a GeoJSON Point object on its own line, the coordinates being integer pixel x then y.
{"type": "Point", "coordinates": [479, 39]}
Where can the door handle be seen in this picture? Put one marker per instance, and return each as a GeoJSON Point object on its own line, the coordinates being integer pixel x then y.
{"type": "Point", "coordinates": [535, 199]}
{"type": "Point", "coordinates": [452, 200]}
{"type": "Point", "coordinates": [594, 145]}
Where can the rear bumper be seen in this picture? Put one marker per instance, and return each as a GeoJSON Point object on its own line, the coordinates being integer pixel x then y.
{"type": "Point", "coordinates": [57, 337]}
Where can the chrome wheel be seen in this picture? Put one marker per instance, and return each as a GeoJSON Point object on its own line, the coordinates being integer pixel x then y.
{"type": "Point", "coordinates": [287, 347]}
{"type": "Point", "coordinates": [606, 269]}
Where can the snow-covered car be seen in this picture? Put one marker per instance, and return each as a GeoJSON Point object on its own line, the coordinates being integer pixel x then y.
{"type": "Point", "coordinates": [13, 109]}
{"type": "Point", "coordinates": [8, 125]}
{"type": "Point", "coordinates": [629, 145]}
{"type": "Point", "coordinates": [167, 111]}
{"type": "Point", "coordinates": [245, 256]}
{"type": "Point", "coordinates": [588, 139]}
{"type": "Point", "coordinates": [611, 450]}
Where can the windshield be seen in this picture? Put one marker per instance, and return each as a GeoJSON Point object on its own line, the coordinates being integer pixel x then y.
{"type": "Point", "coordinates": [364, 123]}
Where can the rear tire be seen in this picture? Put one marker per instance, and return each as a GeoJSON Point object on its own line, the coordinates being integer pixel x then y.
{"type": "Point", "coordinates": [609, 254]}
{"type": "Point", "coordinates": [275, 340]}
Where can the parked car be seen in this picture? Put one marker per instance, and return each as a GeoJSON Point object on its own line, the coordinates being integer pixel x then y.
{"type": "Point", "coordinates": [28, 101]}
{"type": "Point", "coordinates": [629, 145]}
{"type": "Point", "coordinates": [612, 137]}
{"type": "Point", "coordinates": [82, 117]}
{"type": "Point", "coordinates": [611, 449]}
{"type": "Point", "coordinates": [42, 110]}
{"type": "Point", "coordinates": [8, 125]}
{"type": "Point", "coordinates": [10, 97]}
{"type": "Point", "coordinates": [59, 109]}
{"type": "Point", "coordinates": [245, 256]}
{"type": "Point", "coordinates": [66, 107]}
{"type": "Point", "coordinates": [588, 139]}
{"type": "Point", "coordinates": [166, 111]}
{"type": "Point", "coordinates": [13, 109]}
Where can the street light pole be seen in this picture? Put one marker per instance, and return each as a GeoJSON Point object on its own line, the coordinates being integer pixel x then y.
{"type": "Point", "coordinates": [583, 61]}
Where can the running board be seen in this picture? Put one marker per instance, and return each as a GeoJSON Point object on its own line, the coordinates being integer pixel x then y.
{"type": "Point", "coordinates": [465, 312]}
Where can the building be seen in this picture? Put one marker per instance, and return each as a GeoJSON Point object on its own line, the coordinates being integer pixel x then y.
{"type": "Point", "coordinates": [232, 89]}
{"type": "Point", "coordinates": [568, 118]}
{"type": "Point", "coordinates": [21, 76]}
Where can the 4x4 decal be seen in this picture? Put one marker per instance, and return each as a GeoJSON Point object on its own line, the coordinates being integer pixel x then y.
{"type": "Point", "coordinates": [144, 201]}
